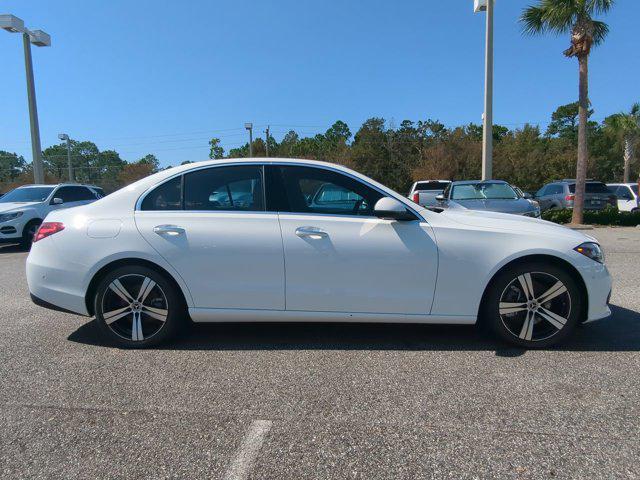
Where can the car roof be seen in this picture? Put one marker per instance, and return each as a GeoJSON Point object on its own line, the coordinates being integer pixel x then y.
{"type": "Point", "coordinates": [474, 182]}
{"type": "Point", "coordinates": [35, 185]}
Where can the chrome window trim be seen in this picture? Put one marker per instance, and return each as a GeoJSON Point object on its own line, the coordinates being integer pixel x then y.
{"type": "Point", "coordinates": [398, 197]}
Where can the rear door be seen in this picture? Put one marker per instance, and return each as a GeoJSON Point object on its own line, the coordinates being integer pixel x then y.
{"type": "Point", "coordinates": [339, 257]}
{"type": "Point", "coordinates": [212, 227]}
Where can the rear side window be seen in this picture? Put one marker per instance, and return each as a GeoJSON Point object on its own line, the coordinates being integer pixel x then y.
{"type": "Point", "coordinates": [167, 196]}
{"type": "Point", "coordinates": [431, 186]}
{"type": "Point", "coordinates": [316, 190]}
{"type": "Point", "coordinates": [225, 188]}
{"type": "Point", "coordinates": [74, 194]}
{"type": "Point", "coordinates": [554, 190]}
{"type": "Point", "coordinates": [591, 187]}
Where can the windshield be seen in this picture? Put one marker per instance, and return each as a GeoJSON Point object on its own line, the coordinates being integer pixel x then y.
{"type": "Point", "coordinates": [592, 187]}
{"type": "Point", "coordinates": [635, 189]}
{"type": "Point", "coordinates": [28, 194]}
{"type": "Point", "coordinates": [482, 191]}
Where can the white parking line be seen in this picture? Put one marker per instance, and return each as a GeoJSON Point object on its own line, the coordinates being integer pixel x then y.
{"type": "Point", "coordinates": [248, 451]}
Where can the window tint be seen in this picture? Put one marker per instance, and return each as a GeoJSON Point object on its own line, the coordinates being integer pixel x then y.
{"type": "Point", "coordinates": [431, 186]}
{"type": "Point", "coordinates": [635, 189]}
{"type": "Point", "coordinates": [542, 191]}
{"type": "Point", "coordinates": [74, 194]}
{"type": "Point", "coordinates": [591, 187]}
{"type": "Point", "coordinates": [624, 193]}
{"type": "Point", "coordinates": [167, 196]}
{"type": "Point", "coordinates": [554, 190]}
{"type": "Point", "coordinates": [316, 190]}
{"type": "Point", "coordinates": [224, 188]}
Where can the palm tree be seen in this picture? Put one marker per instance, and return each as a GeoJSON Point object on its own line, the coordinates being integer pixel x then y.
{"type": "Point", "coordinates": [575, 17]}
{"type": "Point", "coordinates": [627, 127]}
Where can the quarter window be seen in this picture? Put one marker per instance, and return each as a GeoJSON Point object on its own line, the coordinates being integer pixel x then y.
{"type": "Point", "coordinates": [316, 190]}
{"type": "Point", "coordinates": [167, 196]}
{"type": "Point", "coordinates": [224, 188]}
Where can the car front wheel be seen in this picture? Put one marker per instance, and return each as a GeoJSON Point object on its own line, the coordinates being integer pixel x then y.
{"type": "Point", "coordinates": [533, 305]}
{"type": "Point", "coordinates": [137, 307]}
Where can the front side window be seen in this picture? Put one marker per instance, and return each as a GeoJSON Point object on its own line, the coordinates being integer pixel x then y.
{"type": "Point", "coordinates": [634, 189]}
{"type": "Point", "coordinates": [27, 194]}
{"type": "Point", "coordinates": [555, 190]}
{"type": "Point", "coordinates": [74, 194]}
{"type": "Point", "coordinates": [167, 196]}
{"type": "Point", "coordinates": [316, 190]}
{"type": "Point", "coordinates": [224, 188]}
{"type": "Point", "coordinates": [483, 191]}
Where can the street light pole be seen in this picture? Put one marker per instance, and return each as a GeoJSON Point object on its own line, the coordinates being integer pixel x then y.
{"type": "Point", "coordinates": [487, 117]}
{"type": "Point", "coordinates": [249, 126]}
{"type": "Point", "coordinates": [13, 24]}
{"type": "Point", "coordinates": [64, 136]}
{"type": "Point", "coordinates": [266, 145]}
{"type": "Point", "coordinates": [36, 149]}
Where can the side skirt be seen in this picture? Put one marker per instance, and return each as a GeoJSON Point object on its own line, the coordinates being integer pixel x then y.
{"type": "Point", "coordinates": [204, 315]}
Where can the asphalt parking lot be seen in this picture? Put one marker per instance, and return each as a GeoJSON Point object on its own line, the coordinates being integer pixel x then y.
{"type": "Point", "coordinates": [293, 401]}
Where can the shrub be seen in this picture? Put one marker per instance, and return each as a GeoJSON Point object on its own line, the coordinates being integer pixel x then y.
{"type": "Point", "coordinates": [608, 216]}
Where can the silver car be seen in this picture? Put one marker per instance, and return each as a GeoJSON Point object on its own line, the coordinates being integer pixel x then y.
{"type": "Point", "coordinates": [561, 194]}
{"type": "Point", "coordinates": [490, 195]}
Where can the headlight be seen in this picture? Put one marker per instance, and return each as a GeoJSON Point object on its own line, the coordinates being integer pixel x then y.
{"type": "Point", "coordinates": [5, 217]}
{"type": "Point", "coordinates": [591, 250]}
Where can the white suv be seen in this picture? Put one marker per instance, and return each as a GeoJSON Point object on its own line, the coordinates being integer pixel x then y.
{"type": "Point", "coordinates": [23, 209]}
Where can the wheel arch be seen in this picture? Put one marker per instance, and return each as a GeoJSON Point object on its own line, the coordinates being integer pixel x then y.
{"type": "Point", "coordinates": [126, 262]}
{"type": "Point", "coordinates": [542, 258]}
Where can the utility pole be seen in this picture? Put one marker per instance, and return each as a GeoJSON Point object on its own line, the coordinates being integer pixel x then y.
{"type": "Point", "coordinates": [249, 126]}
{"type": "Point", "coordinates": [36, 149]}
{"type": "Point", "coordinates": [63, 137]}
{"type": "Point", "coordinates": [267, 142]}
{"type": "Point", "coordinates": [487, 117]}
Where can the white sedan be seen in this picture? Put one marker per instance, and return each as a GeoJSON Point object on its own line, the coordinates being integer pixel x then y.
{"type": "Point", "coordinates": [299, 240]}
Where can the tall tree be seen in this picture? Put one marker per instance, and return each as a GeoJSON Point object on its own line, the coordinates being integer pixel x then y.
{"type": "Point", "coordinates": [575, 17]}
{"type": "Point", "coordinates": [11, 165]}
{"type": "Point", "coordinates": [215, 149]}
{"type": "Point", "coordinates": [626, 126]}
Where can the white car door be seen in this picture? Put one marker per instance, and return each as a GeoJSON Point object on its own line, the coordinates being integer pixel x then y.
{"type": "Point", "coordinates": [341, 258]}
{"type": "Point", "coordinates": [212, 227]}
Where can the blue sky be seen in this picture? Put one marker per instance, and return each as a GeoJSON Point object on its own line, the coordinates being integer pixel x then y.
{"type": "Point", "coordinates": [162, 76]}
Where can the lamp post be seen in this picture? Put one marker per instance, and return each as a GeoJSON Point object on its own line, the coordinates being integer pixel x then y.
{"type": "Point", "coordinates": [487, 117]}
{"type": "Point", "coordinates": [249, 126]}
{"type": "Point", "coordinates": [39, 38]}
{"type": "Point", "coordinates": [65, 137]}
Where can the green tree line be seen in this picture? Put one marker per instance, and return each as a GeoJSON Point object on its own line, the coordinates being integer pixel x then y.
{"type": "Point", "coordinates": [394, 155]}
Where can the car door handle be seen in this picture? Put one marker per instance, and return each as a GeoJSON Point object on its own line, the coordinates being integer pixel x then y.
{"type": "Point", "coordinates": [311, 232]}
{"type": "Point", "coordinates": [171, 230]}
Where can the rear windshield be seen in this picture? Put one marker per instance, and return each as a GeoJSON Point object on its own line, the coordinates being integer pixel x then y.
{"type": "Point", "coordinates": [432, 186]}
{"type": "Point", "coordinates": [592, 187]}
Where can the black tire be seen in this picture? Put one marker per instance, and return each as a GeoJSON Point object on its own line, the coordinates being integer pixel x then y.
{"type": "Point", "coordinates": [28, 232]}
{"type": "Point", "coordinates": [149, 330]}
{"type": "Point", "coordinates": [540, 321]}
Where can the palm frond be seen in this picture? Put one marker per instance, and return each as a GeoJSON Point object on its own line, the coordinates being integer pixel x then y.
{"type": "Point", "coordinates": [600, 6]}
{"type": "Point", "coordinates": [635, 110]}
{"type": "Point", "coordinates": [532, 20]}
{"type": "Point", "coordinates": [600, 31]}
{"type": "Point", "coordinates": [560, 15]}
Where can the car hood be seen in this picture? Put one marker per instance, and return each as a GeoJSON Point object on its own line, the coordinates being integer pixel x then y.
{"type": "Point", "coordinates": [11, 206]}
{"type": "Point", "coordinates": [506, 222]}
{"type": "Point", "coordinates": [519, 205]}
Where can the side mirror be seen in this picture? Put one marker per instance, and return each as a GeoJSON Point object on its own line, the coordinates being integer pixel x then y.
{"type": "Point", "coordinates": [391, 209]}
{"type": "Point", "coordinates": [527, 195]}
{"type": "Point", "coordinates": [440, 198]}
{"type": "Point", "coordinates": [57, 201]}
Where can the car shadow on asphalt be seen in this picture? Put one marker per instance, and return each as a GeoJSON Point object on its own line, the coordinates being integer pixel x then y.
{"type": "Point", "coordinates": [619, 332]}
{"type": "Point", "coordinates": [11, 248]}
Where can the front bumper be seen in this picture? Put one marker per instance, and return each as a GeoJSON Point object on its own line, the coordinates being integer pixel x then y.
{"type": "Point", "coordinates": [11, 230]}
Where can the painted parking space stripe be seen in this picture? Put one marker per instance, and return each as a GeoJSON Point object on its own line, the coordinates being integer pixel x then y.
{"type": "Point", "coordinates": [248, 450]}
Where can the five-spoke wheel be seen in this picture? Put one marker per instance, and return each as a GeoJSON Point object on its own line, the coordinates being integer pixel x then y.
{"type": "Point", "coordinates": [137, 306]}
{"type": "Point", "coordinates": [533, 305]}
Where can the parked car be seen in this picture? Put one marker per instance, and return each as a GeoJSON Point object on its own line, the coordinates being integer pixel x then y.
{"type": "Point", "coordinates": [627, 195]}
{"type": "Point", "coordinates": [489, 195]}
{"type": "Point", "coordinates": [143, 260]}
{"type": "Point", "coordinates": [23, 209]}
{"type": "Point", "coordinates": [425, 192]}
{"type": "Point", "coordinates": [561, 194]}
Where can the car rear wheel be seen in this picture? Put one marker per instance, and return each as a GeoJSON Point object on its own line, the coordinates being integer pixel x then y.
{"type": "Point", "coordinates": [28, 233]}
{"type": "Point", "coordinates": [137, 307]}
{"type": "Point", "coordinates": [533, 305]}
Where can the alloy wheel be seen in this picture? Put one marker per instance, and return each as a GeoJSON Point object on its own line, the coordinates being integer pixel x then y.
{"type": "Point", "coordinates": [535, 306]}
{"type": "Point", "coordinates": [134, 307]}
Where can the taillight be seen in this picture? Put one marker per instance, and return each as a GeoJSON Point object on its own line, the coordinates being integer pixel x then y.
{"type": "Point", "coordinates": [416, 197]}
{"type": "Point", "coordinates": [47, 229]}
{"type": "Point", "coordinates": [570, 198]}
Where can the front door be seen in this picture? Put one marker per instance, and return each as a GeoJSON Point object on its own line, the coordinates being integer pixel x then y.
{"type": "Point", "coordinates": [212, 227]}
{"type": "Point", "coordinates": [339, 257]}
